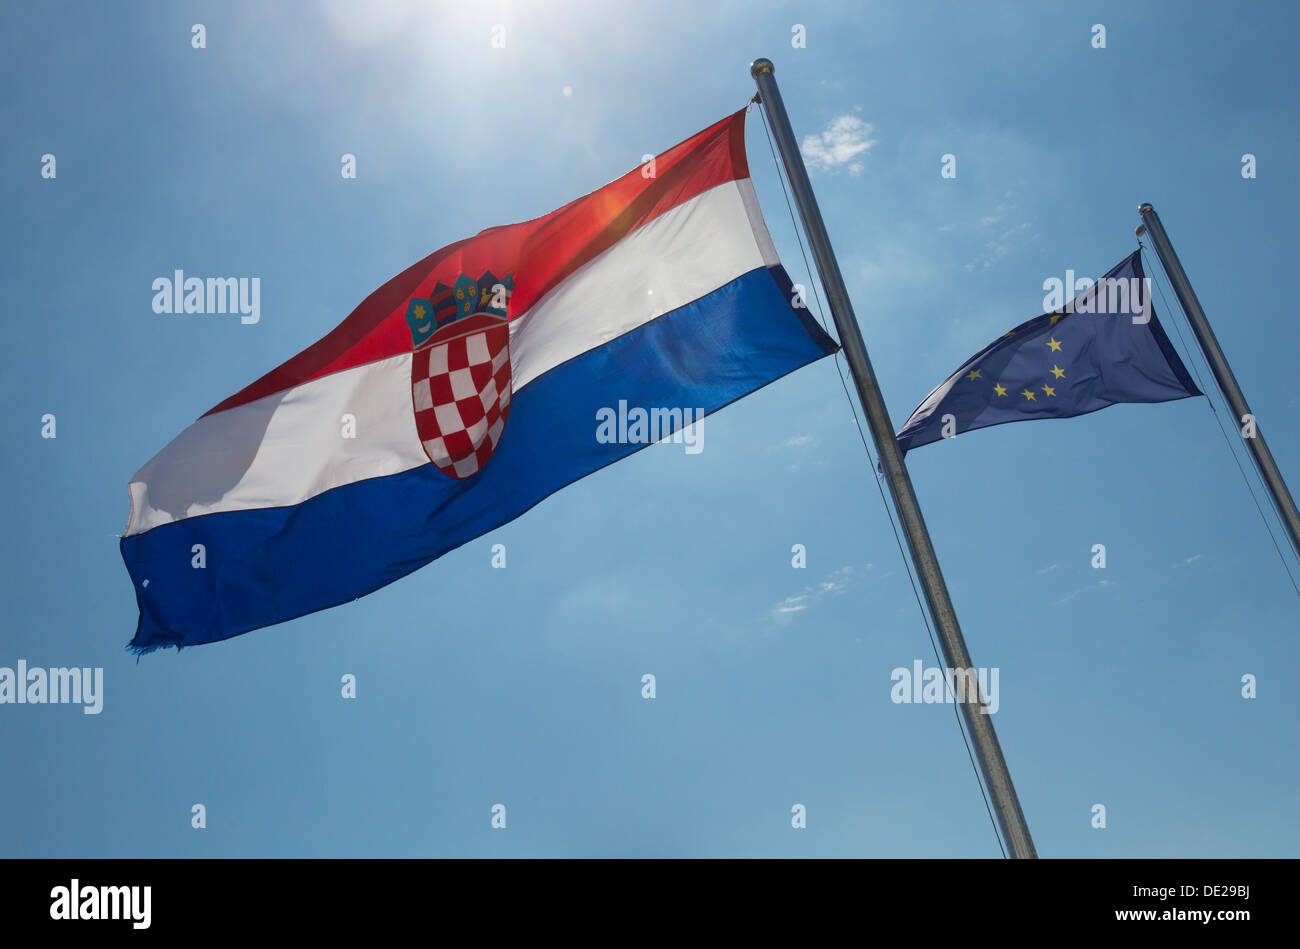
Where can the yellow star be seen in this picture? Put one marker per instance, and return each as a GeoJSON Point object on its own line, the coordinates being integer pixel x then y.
{"type": "Point", "coordinates": [1056, 317]}
{"type": "Point", "coordinates": [419, 312]}
{"type": "Point", "coordinates": [1008, 333]}
{"type": "Point", "coordinates": [973, 374]}
{"type": "Point", "coordinates": [1058, 371]}
{"type": "Point", "coordinates": [1056, 347]}
{"type": "Point", "coordinates": [1049, 390]}
{"type": "Point", "coordinates": [1028, 395]}
{"type": "Point", "coordinates": [999, 389]}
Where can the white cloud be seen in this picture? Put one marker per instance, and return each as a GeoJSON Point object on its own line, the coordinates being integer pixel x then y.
{"type": "Point", "coordinates": [791, 604]}
{"type": "Point", "coordinates": [840, 144]}
{"type": "Point", "coordinates": [999, 236]}
{"type": "Point", "coordinates": [835, 584]}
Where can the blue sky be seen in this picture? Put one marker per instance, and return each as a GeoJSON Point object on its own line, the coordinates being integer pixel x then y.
{"type": "Point", "coordinates": [522, 686]}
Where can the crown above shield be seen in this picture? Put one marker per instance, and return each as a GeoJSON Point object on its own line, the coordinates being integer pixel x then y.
{"type": "Point", "coordinates": [488, 294]}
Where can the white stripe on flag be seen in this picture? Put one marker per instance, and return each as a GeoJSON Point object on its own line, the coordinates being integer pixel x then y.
{"type": "Point", "coordinates": [679, 256]}
{"type": "Point", "coordinates": [284, 448]}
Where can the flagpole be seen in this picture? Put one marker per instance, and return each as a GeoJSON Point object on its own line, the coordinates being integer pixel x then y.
{"type": "Point", "coordinates": [979, 724]}
{"type": "Point", "coordinates": [1222, 371]}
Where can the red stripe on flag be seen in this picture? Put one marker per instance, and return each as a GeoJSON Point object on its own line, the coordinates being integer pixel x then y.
{"type": "Point", "coordinates": [540, 253]}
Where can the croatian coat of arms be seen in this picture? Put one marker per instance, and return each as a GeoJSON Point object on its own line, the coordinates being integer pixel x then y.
{"type": "Point", "coordinates": [460, 370]}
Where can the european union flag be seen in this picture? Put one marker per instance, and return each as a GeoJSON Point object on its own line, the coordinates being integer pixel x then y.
{"type": "Point", "coordinates": [1104, 346]}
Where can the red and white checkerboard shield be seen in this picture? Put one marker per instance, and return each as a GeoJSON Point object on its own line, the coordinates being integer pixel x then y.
{"type": "Point", "coordinates": [460, 389]}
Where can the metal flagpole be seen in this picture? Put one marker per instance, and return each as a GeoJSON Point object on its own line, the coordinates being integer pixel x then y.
{"type": "Point", "coordinates": [1222, 372]}
{"type": "Point", "coordinates": [1010, 818]}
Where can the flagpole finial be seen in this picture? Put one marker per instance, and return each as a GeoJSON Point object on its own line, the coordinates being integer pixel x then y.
{"type": "Point", "coordinates": [1145, 208]}
{"type": "Point", "coordinates": [761, 67]}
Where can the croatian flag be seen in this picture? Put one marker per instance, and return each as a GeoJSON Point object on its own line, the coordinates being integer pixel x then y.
{"type": "Point", "coordinates": [476, 379]}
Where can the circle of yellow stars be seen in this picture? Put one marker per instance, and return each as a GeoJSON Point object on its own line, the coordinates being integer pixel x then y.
{"type": "Point", "coordinates": [1030, 395]}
